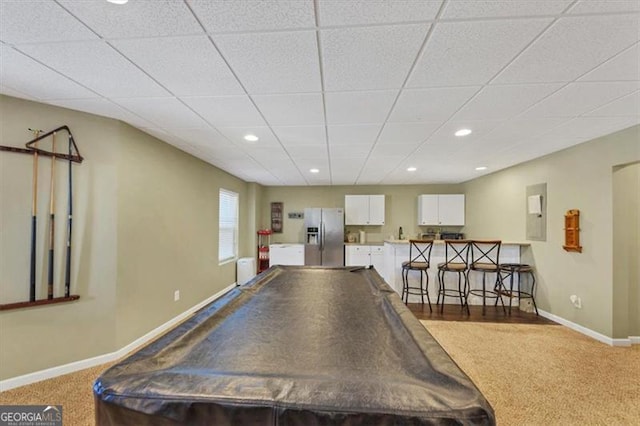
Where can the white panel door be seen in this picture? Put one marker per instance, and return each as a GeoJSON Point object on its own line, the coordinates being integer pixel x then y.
{"type": "Point", "coordinates": [356, 209]}
{"type": "Point", "coordinates": [451, 209]}
{"type": "Point", "coordinates": [376, 209]}
{"type": "Point", "coordinates": [428, 210]}
{"type": "Point", "coordinates": [357, 256]}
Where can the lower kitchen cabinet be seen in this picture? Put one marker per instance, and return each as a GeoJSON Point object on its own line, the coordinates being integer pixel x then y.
{"type": "Point", "coordinates": [365, 255]}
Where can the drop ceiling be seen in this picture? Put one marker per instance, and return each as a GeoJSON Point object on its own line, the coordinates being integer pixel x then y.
{"type": "Point", "coordinates": [359, 89]}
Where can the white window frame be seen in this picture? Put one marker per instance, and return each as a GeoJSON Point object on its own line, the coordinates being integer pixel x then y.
{"type": "Point", "coordinates": [228, 219]}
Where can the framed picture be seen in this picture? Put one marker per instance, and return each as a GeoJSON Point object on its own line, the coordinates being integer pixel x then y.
{"type": "Point", "coordinates": [276, 217]}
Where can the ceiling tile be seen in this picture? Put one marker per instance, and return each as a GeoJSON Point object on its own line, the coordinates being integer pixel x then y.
{"type": "Point", "coordinates": [273, 62]}
{"type": "Point", "coordinates": [39, 21]}
{"type": "Point", "coordinates": [356, 12]}
{"type": "Point", "coordinates": [291, 109]}
{"type": "Point", "coordinates": [355, 151]}
{"type": "Point", "coordinates": [307, 151]}
{"type": "Point", "coordinates": [301, 135]}
{"type": "Point", "coordinates": [407, 132]}
{"type": "Point", "coordinates": [96, 66]}
{"type": "Point", "coordinates": [572, 47]}
{"type": "Point", "coordinates": [446, 134]}
{"type": "Point", "coordinates": [103, 107]}
{"type": "Point", "coordinates": [393, 149]}
{"type": "Point", "coordinates": [346, 166]}
{"type": "Point", "coordinates": [436, 104]}
{"type": "Point", "coordinates": [221, 16]}
{"type": "Point", "coordinates": [605, 6]}
{"type": "Point", "coordinates": [358, 107]}
{"type": "Point", "coordinates": [514, 131]}
{"type": "Point", "coordinates": [625, 66]}
{"type": "Point", "coordinates": [28, 76]}
{"type": "Point", "coordinates": [187, 66]}
{"type": "Point", "coordinates": [626, 106]}
{"type": "Point", "coordinates": [369, 58]}
{"type": "Point", "coordinates": [577, 98]}
{"type": "Point", "coordinates": [203, 137]}
{"type": "Point", "coordinates": [503, 102]}
{"type": "Point", "coordinates": [465, 9]}
{"type": "Point", "coordinates": [353, 134]}
{"type": "Point", "coordinates": [226, 110]}
{"type": "Point", "coordinates": [587, 128]}
{"type": "Point", "coordinates": [467, 53]}
{"type": "Point", "coordinates": [135, 19]}
{"type": "Point", "coordinates": [236, 135]}
{"type": "Point", "coordinates": [305, 164]}
{"type": "Point", "coordinates": [162, 111]}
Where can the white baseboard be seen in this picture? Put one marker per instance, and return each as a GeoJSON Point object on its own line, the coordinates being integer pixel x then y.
{"type": "Point", "coordinates": [52, 372]}
{"type": "Point", "coordinates": [588, 332]}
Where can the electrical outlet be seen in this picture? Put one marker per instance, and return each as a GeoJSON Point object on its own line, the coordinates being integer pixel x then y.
{"type": "Point", "coordinates": [577, 302]}
{"type": "Point", "coordinates": [176, 295]}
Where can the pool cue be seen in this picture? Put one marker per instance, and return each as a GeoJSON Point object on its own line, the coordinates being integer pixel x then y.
{"type": "Point", "coordinates": [67, 278]}
{"type": "Point", "coordinates": [52, 219]}
{"type": "Point", "coordinates": [34, 226]}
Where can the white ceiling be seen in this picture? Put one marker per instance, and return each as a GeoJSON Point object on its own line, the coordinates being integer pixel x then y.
{"type": "Point", "coordinates": [359, 89]}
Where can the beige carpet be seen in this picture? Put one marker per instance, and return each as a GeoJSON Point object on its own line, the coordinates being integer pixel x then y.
{"type": "Point", "coordinates": [545, 374]}
{"type": "Point", "coordinates": [531, 375]}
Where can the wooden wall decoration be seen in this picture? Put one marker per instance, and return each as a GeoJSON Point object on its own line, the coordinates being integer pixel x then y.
{"type": "Point", "coordinates": [276, 217]}
{"type": "Point", "coordinates": [572, 231]}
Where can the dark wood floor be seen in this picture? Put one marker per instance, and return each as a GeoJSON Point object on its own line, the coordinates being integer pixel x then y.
{"type": "Point", "coordinates": [492, 314]}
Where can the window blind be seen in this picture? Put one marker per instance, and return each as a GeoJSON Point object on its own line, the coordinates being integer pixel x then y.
{"type": "Point", "coordinates": [228, 226]}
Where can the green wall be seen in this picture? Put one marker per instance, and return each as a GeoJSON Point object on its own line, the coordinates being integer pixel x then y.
{"type": "Point", "coordinates": [577, 178]}
{"type": "Point", "coordinates": [401, 208]}
{"type": "Point", "coordinates": [145, 225]}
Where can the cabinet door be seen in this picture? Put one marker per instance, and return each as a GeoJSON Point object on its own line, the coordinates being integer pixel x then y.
{"type": "Point", "coordinates": [356, 209]}
{"type": "Point", "coordinates": [451, 209]}
{"type": "Point", "coordinates": [376, 209]}
{"type": "Point", "coordinates": [428, 210]}
{"type": "Point", "coordinates": [357, 256]}
{"type": "Point", "coordinates": [377, 259]}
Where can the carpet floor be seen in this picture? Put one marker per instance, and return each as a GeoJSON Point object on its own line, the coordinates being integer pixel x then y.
{"type": "Point", "coordinates": [531, 375]}
{"type": "Point", "coordinates": [545, 374]}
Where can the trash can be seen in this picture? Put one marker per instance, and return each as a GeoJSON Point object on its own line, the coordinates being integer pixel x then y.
{"type": "Point", "coordinates": [245, 270]}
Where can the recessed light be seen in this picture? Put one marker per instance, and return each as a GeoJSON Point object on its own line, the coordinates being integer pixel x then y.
{"type": "Point", "coordinates": [463, 132]}
{"type": "Point", "coordinates": [251, 138]}
{"type": "Point", "coordinates": [314, 170]}
{"type": "Point", "coordinates": [481, 168]}
{"type": "Point", "coordinates": [118, 1]}
{"type": "Point", "coordinates": [411, 169]}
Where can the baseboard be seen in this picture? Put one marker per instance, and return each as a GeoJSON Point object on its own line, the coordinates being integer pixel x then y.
{"type": "Point", "coordinates": [588, 332]}
{"type": "Point", "coordinates": [635, 340]}
{"type": "Point", "coordinates": [60, 370]}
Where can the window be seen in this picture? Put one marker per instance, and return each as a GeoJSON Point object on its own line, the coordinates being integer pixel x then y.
{"type": "Point", "coordinates": [228, 226]}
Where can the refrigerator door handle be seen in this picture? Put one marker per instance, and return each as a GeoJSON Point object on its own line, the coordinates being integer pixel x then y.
{"type": "Point", "coordinates": [321, 236]}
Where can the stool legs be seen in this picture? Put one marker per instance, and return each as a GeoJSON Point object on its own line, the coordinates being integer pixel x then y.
{"type": "Point", "coordinates": [511, 272]}
{"type": "Point", "coordinates": [421, 291]}
{"type": "Point", "coordinates": [461, 293]}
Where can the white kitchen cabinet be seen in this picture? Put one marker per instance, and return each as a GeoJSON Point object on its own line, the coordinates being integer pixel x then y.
{"type": "Point", "coordinates": [364, 255]}
{"type": "Point", "coordinates": [441, 209]}
{"type": "Point", "coordinates": [364, 209]}
{"type": "Point", "coordinates": [286, 254]}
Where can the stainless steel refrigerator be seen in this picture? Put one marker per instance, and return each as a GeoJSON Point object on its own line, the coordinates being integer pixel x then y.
{"type": "Point", "coordinates": [324, 236]}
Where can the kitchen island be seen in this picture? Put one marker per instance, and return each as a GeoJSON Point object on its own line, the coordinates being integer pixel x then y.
{"type": "Point", "coordinates": [397, 251]}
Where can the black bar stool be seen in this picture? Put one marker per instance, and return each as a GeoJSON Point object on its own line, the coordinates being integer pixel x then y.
{"type": "Point", "coordinates": [456, 259]}
{"type": "Point", "coordinates": [510, 270]}
{"type": "Point", "coordinates": [419, 258]}
{"type": "Point", "coordinates": [485, 257]}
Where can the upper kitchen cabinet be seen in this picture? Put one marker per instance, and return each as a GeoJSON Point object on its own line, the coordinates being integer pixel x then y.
{"type": "Point", "coordinates": [441, 209]}
{"type": "Point", "coordinates": [364, 209]}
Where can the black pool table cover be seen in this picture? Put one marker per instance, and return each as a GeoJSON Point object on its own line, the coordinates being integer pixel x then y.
{"type": "Point", "coordinates": [294, 346]}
